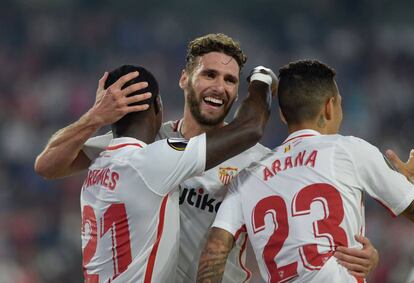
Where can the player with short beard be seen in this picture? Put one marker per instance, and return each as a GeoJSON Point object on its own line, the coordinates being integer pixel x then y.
{"type": "Point", "coordinates": [194, 101]}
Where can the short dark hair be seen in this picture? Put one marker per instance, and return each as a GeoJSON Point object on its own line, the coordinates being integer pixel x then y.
{"type": "Point", "coordinates": [214, 42]}
{"type": "Point", "coordinates": [303, 88]}
{"type": "Point", "coordinates": [144, 76]}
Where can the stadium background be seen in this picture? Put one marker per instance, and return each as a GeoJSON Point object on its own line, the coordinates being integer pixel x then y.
{"type": "Point", "coordinates": [53, 52]}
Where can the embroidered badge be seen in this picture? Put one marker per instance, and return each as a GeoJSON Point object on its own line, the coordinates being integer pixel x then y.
{"type": "Point", "coordinates": [227, 173]}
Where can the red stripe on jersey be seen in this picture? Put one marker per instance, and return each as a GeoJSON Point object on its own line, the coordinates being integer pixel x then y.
{"type": "Point", "coordinates": [242, 250]}
{"type": "Point", "coordinates": [362, 230]}
{"type": "Point", "coordinates": [153, 254]}
{"type": "Point", "coordinates": [241, 229]}
{"type": "Point", "coordinates": [360, 280]}
{"type": "Point", "coordinates": [122, 145]}
{"type": "Point", "coordinates": [301, 136]}
{"type": "Point", "coordinates": [175, 127]}
{"type": "Point", "coordinates": [386, 207]}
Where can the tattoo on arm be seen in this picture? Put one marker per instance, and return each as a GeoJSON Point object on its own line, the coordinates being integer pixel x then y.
{"type": "Point", "coordinates": [214, 256]}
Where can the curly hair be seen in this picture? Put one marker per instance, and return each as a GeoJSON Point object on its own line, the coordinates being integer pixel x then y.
{"type": "Point", "coordinates": [214, 43]}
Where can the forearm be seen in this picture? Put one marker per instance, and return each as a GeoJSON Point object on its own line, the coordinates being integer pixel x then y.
{"type": "Point", "coordinates": [254, 111]}
{"type": "Point", "coordinates": [409, 212]}
{"type": "Point", "coordinates": [214, 256]}
{"type": "Point", "coordinates": [63, 155]}
{"type": "Point", "coordinates": [245, 130]}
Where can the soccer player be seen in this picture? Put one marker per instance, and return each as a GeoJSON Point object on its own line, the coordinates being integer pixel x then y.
{"type": "Point", "coordinates": [210, 83]}
{"type": "Point", "coordinates": [129, 200]}
{"type": "Point", "coordinates": [306, 197]}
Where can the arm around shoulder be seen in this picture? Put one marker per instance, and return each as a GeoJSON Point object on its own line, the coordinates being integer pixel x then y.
{"type": "Point", "coordinates": [63, 154]}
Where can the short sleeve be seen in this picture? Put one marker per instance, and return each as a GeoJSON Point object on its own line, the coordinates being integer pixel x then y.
{"type": "Point", "coordinates": [164, 164]}
{"type": "Point", "coordinates": [378, 179]}
{"type": "Point", "coordinates": [94, 146]}
{"type": "Point", "coordinates": [230, 214]}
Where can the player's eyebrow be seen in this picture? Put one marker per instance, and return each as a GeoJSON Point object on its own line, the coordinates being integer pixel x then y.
{"type": "Point", "coordinates": [227, 76]}
{"type": "Point", "coordinates": [231, 78]}
{"type": "Point", "coordinates": [209, 71]}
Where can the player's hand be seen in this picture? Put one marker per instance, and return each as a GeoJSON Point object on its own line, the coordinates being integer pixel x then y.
{"type": "Point", "coordinates": [271, 79]}
{"type": "Point", "coordinates": [407, 168]}
{"type": "Point", "coordinates": [112, 104]}
{"type": "Point", "coordinates": [359, 262]}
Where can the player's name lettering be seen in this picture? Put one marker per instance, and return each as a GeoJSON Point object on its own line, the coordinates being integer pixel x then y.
{"type": "Point", "coordinates": [301, 159]}
{"type": "Point", "coordinates": [103, 177]}
{"type": "Point", "coordinates": [197, 198]}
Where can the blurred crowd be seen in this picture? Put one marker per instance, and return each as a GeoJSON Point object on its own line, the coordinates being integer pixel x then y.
{"type": "Point", "coordinates": [52, 54]}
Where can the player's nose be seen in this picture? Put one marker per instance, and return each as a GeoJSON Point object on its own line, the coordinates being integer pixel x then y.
{"type": "Point", "coordinates": [219, 86]}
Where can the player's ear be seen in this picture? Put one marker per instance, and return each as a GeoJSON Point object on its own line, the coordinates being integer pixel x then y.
{"type": "Point", "coordinates": [183, 79]}
{"type": "Point", "coordinates": [282, 117]}
{"type": "Point", "coordinates": [329, 108]}
{"type": "Point", "coordinates": [158, 104]}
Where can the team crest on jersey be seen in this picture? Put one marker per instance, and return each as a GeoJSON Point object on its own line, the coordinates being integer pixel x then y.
{"type": "Point", "coordinates": [178, 143]}
{"type": "Point", "coordinates": [227, 173]}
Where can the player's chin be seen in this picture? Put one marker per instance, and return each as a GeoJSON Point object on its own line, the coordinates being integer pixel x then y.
{"type": "Point", "coordinates": [213, 118]}
{"type": "Point", "coordinates": [213, 112]}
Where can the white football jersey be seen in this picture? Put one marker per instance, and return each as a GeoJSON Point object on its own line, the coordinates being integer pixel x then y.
{"type": "Point", "coordinates": [200, 198]}
{"type": "Point", "coordinates": [130, 215]}
{"type": "Point", "coordinates": [306, 198]}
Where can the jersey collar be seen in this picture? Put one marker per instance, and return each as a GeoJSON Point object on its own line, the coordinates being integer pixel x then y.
{"type": "Point", "coordinates": [177, 125]}
{"type": "Point", "coordinates": [124, 141]}
{"type": "Point", "coordinates": [301, 134]}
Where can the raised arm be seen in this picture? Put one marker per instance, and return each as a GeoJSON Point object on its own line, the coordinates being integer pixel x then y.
{"type": "Point", "coordinates": [63, 154]}
{"type": "Point", "coordinates": [214, 256]}
{"type": "Point", "coordinates": [248, 125]}
{"type": "Point", "coordinates": [407, 168]}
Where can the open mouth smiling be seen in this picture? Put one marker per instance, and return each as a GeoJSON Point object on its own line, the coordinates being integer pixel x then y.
{"type": "Point", "coordinates": [211, 101]}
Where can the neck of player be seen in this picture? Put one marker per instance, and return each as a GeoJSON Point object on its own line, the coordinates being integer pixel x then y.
{"type": "Point", "coordinates": [143, 131]}
{"type": "Point", "coordinates": [307, 126]}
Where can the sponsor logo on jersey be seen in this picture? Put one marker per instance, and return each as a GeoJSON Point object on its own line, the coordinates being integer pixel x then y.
{"type": "Point", "coordinates": [198, 199]}
{"type": "Point", "coordinates": [287, 148]}
{"type": "Point", "coordinates": [227, 173]}
{"type": "Point", "coordinates": [177, 143]}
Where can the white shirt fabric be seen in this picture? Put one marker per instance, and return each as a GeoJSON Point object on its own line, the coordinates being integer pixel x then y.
{"type": "Point", "coordinates": [129, 202]}
{"type": "Point", "coordinates": [305, 198]}
{"type": "Point", "coordinates": [200, 198]}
